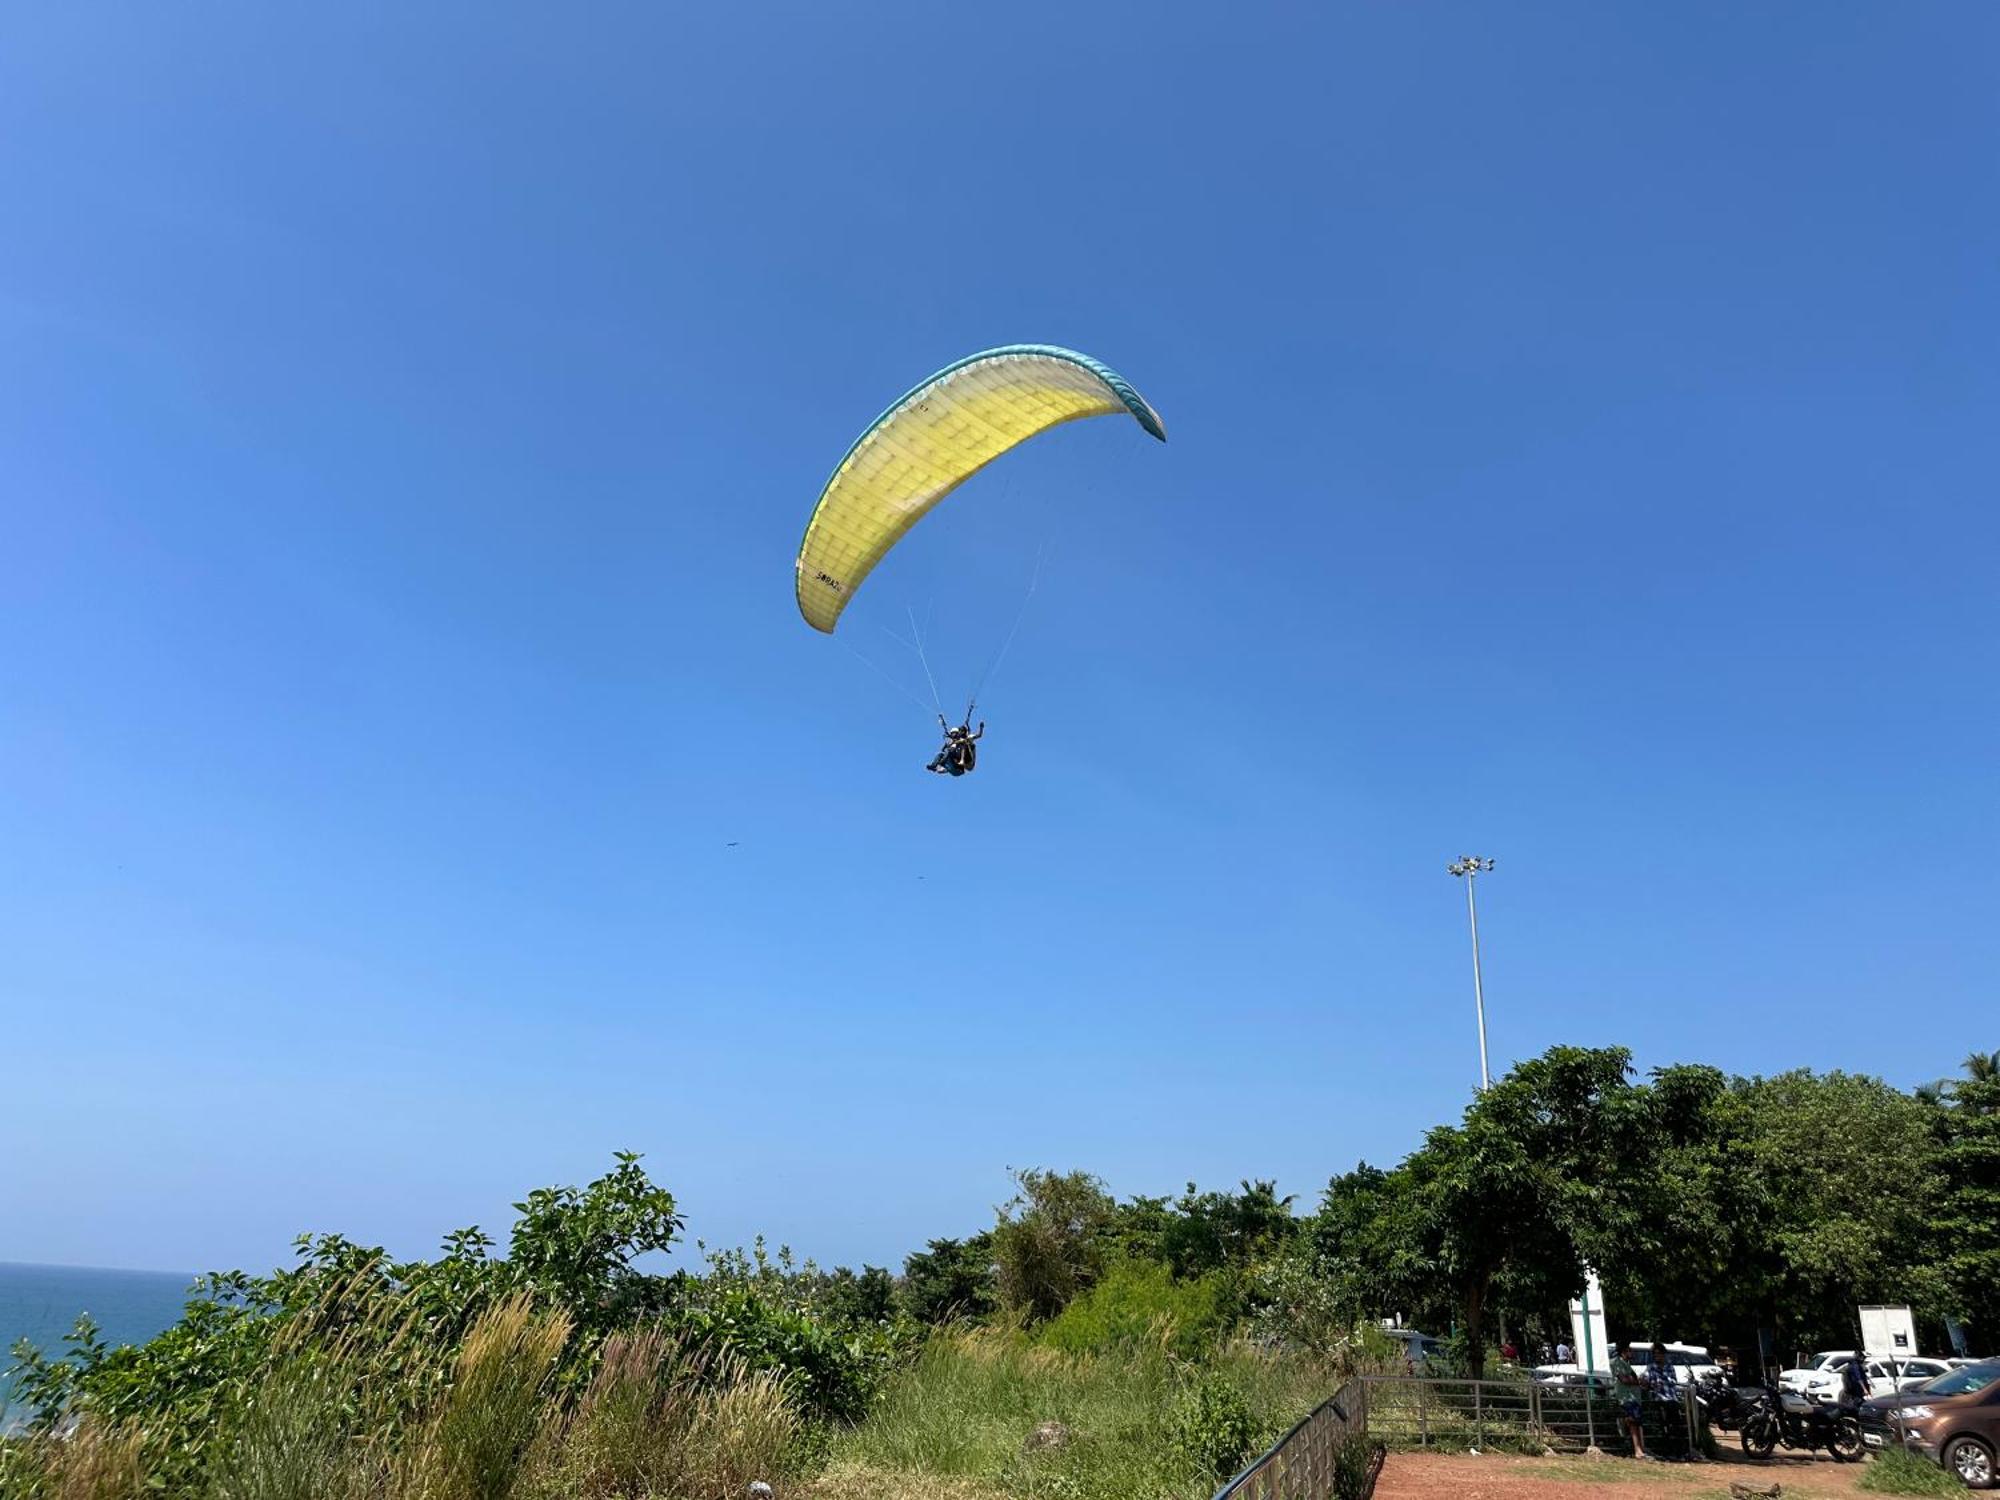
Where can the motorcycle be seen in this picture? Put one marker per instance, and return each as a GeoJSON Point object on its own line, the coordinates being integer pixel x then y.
{"type": "Point", "coordinates": [1775, 1417]}
{"type": "Point", "coordinates": [1725, 1403]}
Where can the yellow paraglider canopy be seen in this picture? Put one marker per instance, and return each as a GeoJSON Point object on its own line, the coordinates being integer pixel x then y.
{"type": "Point", "coordinates": [932, 441]}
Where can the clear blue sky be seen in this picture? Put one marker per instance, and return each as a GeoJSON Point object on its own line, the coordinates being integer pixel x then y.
{"type": "Point", "coordinates": [1583, 450]}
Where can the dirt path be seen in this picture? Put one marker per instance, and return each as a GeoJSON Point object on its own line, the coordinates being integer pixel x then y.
{"type": "Point", "coordinates": [1451, 1476]}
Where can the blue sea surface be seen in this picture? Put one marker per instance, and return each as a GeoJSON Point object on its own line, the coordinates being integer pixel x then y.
{"type": "Point", "coordinates": [41, 1304]}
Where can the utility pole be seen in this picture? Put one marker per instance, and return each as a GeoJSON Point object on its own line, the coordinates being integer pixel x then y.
{"type": "Point", "coordinates": [1470, 867]}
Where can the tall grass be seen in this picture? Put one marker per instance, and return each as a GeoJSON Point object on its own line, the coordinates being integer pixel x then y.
{"type": "Point", "coordinates": [660, 1418]}
{"type": "Point", "coordinates": [321, 1421]}
{"type": "Point", "coordinates": [293, 1438]}
{"type": "Point", "coordinates": [365, 1403]}
{"type": "Point", "coordinates": [743, 1427]}
{"type": "Point", "coordinates": [90, 1462]}
{"type": "Point", "coordinates": [357, 1408]}
{"type": "Point", "coordinates": [964, 1409]}
{"type": "Point", "coordinates": [477, 1441]}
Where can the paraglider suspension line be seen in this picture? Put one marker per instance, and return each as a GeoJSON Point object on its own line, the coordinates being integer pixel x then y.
{"type": "Point", "coordinates": [1034, 579]}
{"type": "Point", "coordinates": [918, 636]}
{"type": "Point", "coordinates": [916, 644]}
{"type": "Point", "coordinates": [877, 670]}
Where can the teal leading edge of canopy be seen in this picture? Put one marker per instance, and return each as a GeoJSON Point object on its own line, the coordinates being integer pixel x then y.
{"type": "Point", "coordinates": [1122, 388]}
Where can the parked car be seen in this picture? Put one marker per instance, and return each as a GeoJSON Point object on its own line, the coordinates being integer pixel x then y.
{"type": "Point", "coordinates": [1566, 1375]}
{"type": "Point", "coordinates": [1953, 1420]}
{"type": "Point", "coordinates": [1798, 1379]}
{"type": "Point", "coordinates": [1824, 1378]}
{"type": "Point", "coordinates": [1691, 1362]}
{"type": "Point", "coordinates": [1910, 1373]}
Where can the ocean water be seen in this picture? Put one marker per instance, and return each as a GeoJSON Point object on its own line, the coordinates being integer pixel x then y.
{"type": "Point", "coordinates": [41, 1303]}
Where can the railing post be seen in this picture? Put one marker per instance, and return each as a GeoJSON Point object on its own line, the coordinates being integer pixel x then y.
{"type": "Point", "coordinates": [1423, 1416]}
{"type": "Point", "coordinates": [1478, 1414]}
{"type": "Point", "coordinates": [1535, 1409]}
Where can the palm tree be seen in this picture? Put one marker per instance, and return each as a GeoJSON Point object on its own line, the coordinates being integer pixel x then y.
{"type": "Point", "coordinates": [1978, 1092]}
{"type": "Point", "coordinates": [1979, 1068]}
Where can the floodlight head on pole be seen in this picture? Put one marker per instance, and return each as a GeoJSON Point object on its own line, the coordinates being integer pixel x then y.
{"type": "Point", "coordinates": [1469, 864]}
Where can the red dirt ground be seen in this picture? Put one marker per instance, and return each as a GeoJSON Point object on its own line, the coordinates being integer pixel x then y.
{"type": "Point", "coordinates": [1452, 1476]}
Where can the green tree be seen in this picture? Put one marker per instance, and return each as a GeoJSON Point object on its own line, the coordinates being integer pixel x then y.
{"type": "Point", "coordinates": [1050, 1241]}
{"type": "Point", "coordinates": [1846, 1169]}
{"type": "Point", "coordinates": [950, 1280]}
{"type": "Point", "coordinates": [1361, 1247]}
{"type": "Point", "coordinates": [1140, 1226]}
{"type": "Point", "coordinates": [575, 1247]}
{"type": "Point", "coordinates": [868, 1296]}
{"type": "Point", "coordinates": [1968, 1217]}
{"type": "Point", "coordinates": [1548, 1171]}
{"type": "Point", "coordinates": [1217, 1231]}
{"type": "Point", "coordinates": [1691, 1252]}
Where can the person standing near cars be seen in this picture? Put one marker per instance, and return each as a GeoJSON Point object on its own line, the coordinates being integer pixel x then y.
{"type": "Point", "coordinates": [1631, 1392]}
{"type": "Point", "coordinates": [1663, 1387]}
{"type": "Point", "coordinates": [1853, 1385]}
{"type": "Point", "coordinates": [1660, 1374]}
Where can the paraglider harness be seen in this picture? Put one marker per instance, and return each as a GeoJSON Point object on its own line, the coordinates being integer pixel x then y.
{"type": "Point", "coordinates": [959, 753]}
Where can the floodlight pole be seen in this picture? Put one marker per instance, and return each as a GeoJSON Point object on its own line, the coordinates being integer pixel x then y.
{"type": "Point", "coordinates": [1470, 867]}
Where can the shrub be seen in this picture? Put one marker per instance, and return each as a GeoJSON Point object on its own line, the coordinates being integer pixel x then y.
{"type": "Point", "coordinates": [835, 1373]}
{"type": "Point", "coordinates": [1213, 1431]}
{"type": "Point", "coordinates": [1895, 1471]}
{"type": "Point", "coordinates": [206, 1374]}
{"type": "Point", "coordinates": [1140, 1302]}
{"type": "Point", "coordinates": [1352, 1460]}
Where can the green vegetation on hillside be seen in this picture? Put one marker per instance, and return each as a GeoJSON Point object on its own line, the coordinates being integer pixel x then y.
{"type": "Point", "coordinates": [1080, 1346]}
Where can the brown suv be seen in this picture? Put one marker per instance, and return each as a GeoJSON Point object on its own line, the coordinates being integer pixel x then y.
{"type": "Point", "coordinates": [1953, 1420]}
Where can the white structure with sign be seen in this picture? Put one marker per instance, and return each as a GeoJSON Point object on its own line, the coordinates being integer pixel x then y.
{"type": "Point", "coordinates": [1586, 1324]}
{"type": "Point", "coordinates": [1888, 1333]}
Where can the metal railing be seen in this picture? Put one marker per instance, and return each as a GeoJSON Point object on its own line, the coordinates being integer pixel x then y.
{"type": "Point", "coordinates": [1304, 1463]}
{"type": "Point", "coordinates": [1416, 1411]}
{"type": "Point", "coordinates": [1521, 1416]}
